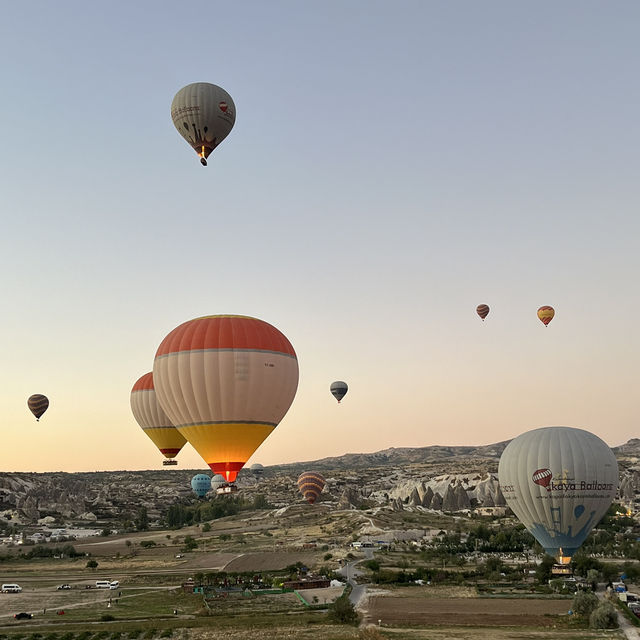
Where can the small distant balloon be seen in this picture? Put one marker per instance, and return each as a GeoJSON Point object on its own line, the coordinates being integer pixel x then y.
{"type": "Point", "coordinates": [204, 114]}
{"type": "Point", "coordinates": [217, 481]}
{"type": "Point", "coordinates": [339, 389]}
{"type": "Point", "coordinates": [482, 310]}
{"type": "Point", "coordinates": [201, 483]}
{"type": "Point", "coordinates": [38, 404]}
{"type": "Point", "coordinates": [546, 314]}
{"type": "Point", "coordinates": [310, 484]}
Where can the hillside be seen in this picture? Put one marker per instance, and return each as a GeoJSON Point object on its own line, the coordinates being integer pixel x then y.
{"type": "Point", "coordinates": [442, 478]}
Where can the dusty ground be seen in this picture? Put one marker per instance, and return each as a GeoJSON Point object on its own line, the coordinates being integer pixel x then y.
{"type": "Point", "coordinates": [36, 600]}
{"type": "Point", "coordinates": [323, 595]}
{"type": "Point", "coordinates": [411, 610]}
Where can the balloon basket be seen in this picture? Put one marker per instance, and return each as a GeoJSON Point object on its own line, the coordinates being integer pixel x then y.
{"type": "Point", "coordinates": [226, 489]}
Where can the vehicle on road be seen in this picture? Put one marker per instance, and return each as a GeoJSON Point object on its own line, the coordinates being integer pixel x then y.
{"type": "Point", "coordinates": [63, 587]}
{"type": "Point", "coordinates": [103, 584]}
{"type": "Point", "coordinates": [23, 615]}
{"type": "Point", "coordinates": [11, 588]}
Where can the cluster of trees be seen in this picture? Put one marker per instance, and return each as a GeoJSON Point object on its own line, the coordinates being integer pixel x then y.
{"type": "Point", "coordinates": [515, 539]}
{"type": "Point", "coordinates": [39, 551]}
{"type": "Point", "coordinates": [181, 515]}
{"type": "Point", "coordinates": [600, 613]}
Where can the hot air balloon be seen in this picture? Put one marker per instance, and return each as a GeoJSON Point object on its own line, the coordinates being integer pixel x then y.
{"type": "Point", "coordinates": [546, 314]}
{"type": "Point", "coordinates": [217, 481]}
{"type": "Point", "coordinates": [225, 382]}
{"type": "Point", "coordinates": [559, 482]}
{"type": "Point", "coordinates": [339, 389]}
{"type": "Point", "coordinates": [310, 484]}
{"type": "Point", "coordinates": [257, 469]}
{"type": "Point", "coordinates": [201, 484]}
{"type": "Point", "coordinates": [203, 114]}
{"type": "Point", "coordinates": [482, 310]}
{"type": "Point", "coordinates": [38, 404]}
{"type": "Point", "coordinates": [153, 420]}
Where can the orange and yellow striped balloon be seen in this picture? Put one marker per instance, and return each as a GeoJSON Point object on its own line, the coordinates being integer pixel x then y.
{"type": "Point", "coordinates": [153, 420]}
{"type": "Point", "coordinates": [310, 484]}
{"type": "Point", "coordinates": [225, 382]}
{"type": "Point", "coordinates": [546, 314]}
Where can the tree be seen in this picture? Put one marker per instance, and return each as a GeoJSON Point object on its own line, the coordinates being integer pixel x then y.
{"type": "Point", "coordinates": [603, 617]}
{"type": "Point", "coordinates": [584, 602]}
{"type": "Point", "coordinates": [592, 578]}
{"type": "Point", "coordinates": [190, 543]}
{"type": "Point", "coordinates": [142, 519]}
{"type": "Point", "coordinates": [92, 564]}
{"type": "Point", "coordinates": [260, 502]}
{"type": "Point", "coordinates": [543, 570]}
{"type": "Point", "coordinates": [342, 611]}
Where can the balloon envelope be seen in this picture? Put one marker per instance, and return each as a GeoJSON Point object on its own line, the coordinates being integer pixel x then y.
{"type": "Point", "coordinates": [38, 404]}
{"type": "Point", "coordinates": [201, 483]}
{"type": "Point", "coordinates": [482, 310]}
{"type": "Point", "coordinates": [559, 482]}
{"type": "Point", "coordinates": [203, 114]}
{"type": "Point", "coordinates": [153, 420]}
{"type": "Point", "coordinates": [225, 382]}
{"type": "Point", "coordinates": [310, 484]}
{"type": "Point", "coordinates": [546, 314]}
{"type": "Point", "coordinates": [339, 389]}
{"type": "Point", "coordinates": [217, 481]}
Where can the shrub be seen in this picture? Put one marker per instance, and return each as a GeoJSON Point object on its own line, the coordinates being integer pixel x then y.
{"type": "Point", "coordinates": [584, 602]}
{"type": "Point", "coordinates": [604, 616]}
{"type": "Point", "coordinates": [107, 617]}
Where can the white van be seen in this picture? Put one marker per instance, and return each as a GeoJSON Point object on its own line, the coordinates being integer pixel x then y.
{"type": "Point", "coordinates": [11, 588]}
{"type": "Point", "coordinates": [114, 584]}
{"type": "Point", "coordinates": [103, 584]}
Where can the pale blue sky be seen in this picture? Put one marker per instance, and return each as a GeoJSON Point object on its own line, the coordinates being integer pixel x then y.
{"type": "Point", "coordinates": [392, 166]}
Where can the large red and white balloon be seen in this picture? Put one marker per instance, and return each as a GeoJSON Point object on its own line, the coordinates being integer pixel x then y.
{"type": "Point", "coordinates": [226, 382]}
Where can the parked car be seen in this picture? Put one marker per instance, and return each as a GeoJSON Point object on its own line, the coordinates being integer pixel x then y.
{"type": "Point", "coordinates": [64, 586]}
{"type": "Point", "coordinates": [23, 616]}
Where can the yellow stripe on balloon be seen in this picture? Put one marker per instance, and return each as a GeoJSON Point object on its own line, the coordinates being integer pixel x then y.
{"type": "Point", "coordinates": [233, 442]}
{"type": "Point", "coordinates": [165, 438]}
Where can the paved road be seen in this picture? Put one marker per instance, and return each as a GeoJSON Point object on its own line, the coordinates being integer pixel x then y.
{"type": "Point", "coordinates": [350, 572]}
{"type": "Point", "coordinates": [630, 632]}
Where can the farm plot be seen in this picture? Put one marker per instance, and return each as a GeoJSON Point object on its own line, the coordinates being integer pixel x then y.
{"type": "Point", "coordinates": [492, 612]}
{"type": "Point", "coordinates": [269, 561]}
